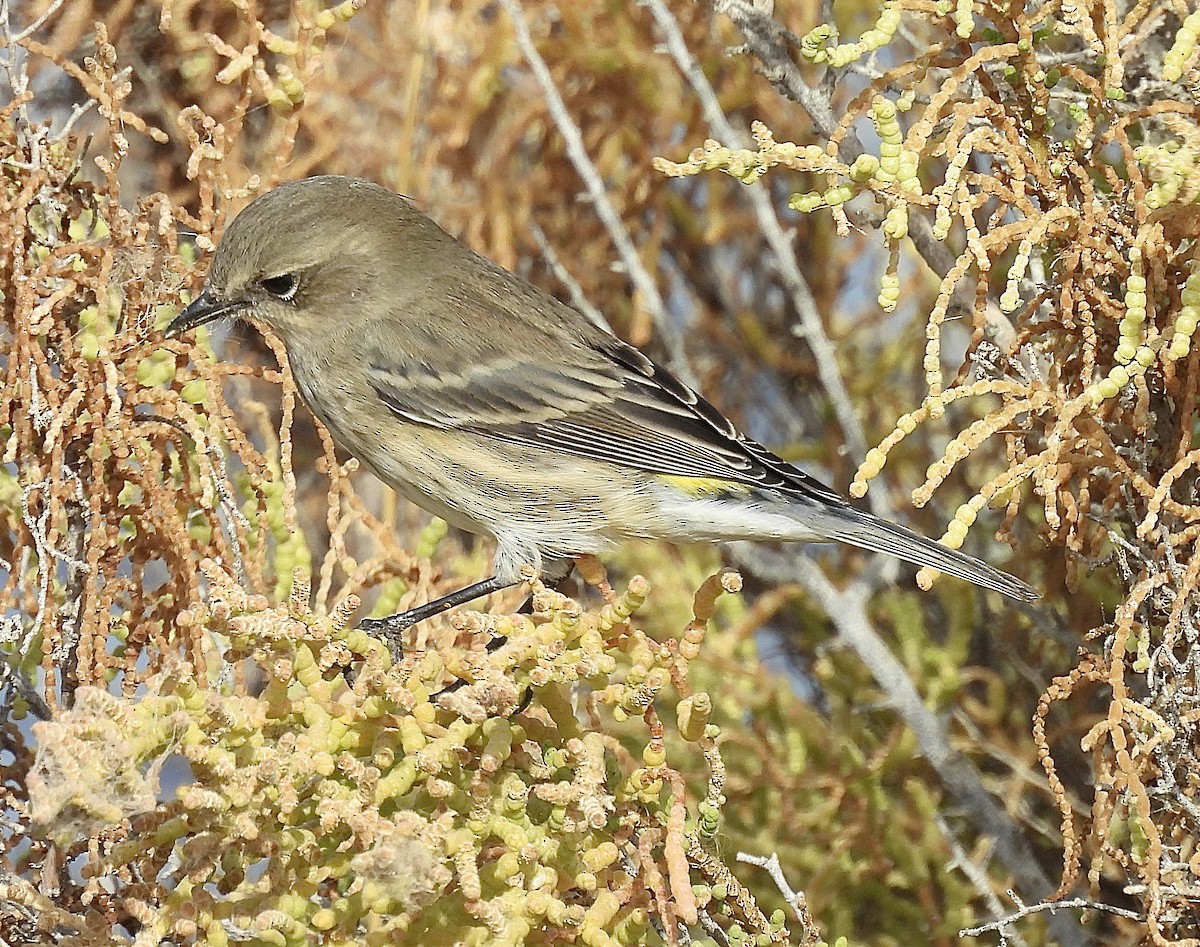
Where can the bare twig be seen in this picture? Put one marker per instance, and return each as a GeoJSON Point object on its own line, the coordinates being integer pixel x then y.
{"type": "Point", "coordinates": [975, 874]}
{"type": "Point", "coordinates": [643, 282]}
{"type": "Point", "coordinates": [80, 110]}
{"type": "Point", "coordinates": [768, 41]}
{"type": "Point", "coordinates": [812, 327]}
{"type": "Point", "coordinates": [795, 899]}
{"type": "Point", "coordinates": [846, 608]}
{"type": "Point", "coordinates": [13, 678]}
{"type": "Point", "coordinates": [38, 23]}
{"type": "Point", "coordinates": [578, 299]}
{"type": "Point", "coordinates": [1025, 910]}
{"type": "Point", "coordinates": [17, 80]}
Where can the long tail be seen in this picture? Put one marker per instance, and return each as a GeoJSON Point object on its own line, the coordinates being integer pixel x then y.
{"type": "Point", "coordinates": [848, 525]}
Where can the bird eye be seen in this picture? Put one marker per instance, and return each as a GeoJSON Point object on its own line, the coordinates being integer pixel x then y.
{"type": "Point", "coordinates": [282, 286]}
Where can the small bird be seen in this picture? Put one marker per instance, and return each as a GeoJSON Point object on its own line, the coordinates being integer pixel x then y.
{"type": "Point", "coordinates": [506, 412]}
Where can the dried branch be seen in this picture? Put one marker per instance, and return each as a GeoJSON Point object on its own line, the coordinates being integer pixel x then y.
{"type": "Point", "coordinates": [1001, 926]}
{"type": "Point", "coordinates": [966, 864]}
{"type": "Point", "coordinates": [811, 324]}
{"type": "Point", "coordinates": [578, 298]}
{"type": "Point", "coordinates": [769, 42]}
{"type": "Point", "coordinates": [644, 283]}
{"type": "Point", "coordinates": [846, 609]}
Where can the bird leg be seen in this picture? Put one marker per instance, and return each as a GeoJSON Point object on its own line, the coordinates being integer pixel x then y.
{"type": "Point", "coordinates": [393, 626]}
{"type": "Point", "coordinates": [501, 640]}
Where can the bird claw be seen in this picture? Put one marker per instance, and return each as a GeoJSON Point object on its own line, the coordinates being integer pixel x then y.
{"type": "Point", "coordinates": [390, 630]}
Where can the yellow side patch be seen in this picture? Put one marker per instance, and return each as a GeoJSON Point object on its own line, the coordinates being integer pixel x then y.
{"type": "Point", "coordinates": [704, 487]}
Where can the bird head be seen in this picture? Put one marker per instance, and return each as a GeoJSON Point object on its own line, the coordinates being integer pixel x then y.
{"type": "Point", "coordinates": [305, 253]}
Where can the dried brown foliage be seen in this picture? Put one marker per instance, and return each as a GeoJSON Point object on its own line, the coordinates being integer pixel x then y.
{"type": "Point", "coordinates": [125, 463]}
{"type": "Point", "coordinates": [127, 448]}
{"type": "Point", "coordinates": [1057, 161]}
{"type": "Point", "coordinates": [1048, 175]}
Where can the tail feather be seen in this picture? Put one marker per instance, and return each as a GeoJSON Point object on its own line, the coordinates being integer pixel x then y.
{"type": "Point", "coordinates": [868, 532]}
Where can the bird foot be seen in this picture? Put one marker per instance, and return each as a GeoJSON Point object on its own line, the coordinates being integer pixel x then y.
{"type": "Point", "coordinates": [391, 630]}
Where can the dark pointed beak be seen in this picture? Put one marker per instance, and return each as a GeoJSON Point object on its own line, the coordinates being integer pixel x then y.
{"type": "Point", "coordinates": [204, 308]}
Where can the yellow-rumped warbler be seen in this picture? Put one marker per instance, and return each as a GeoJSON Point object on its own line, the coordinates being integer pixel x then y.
{"type": "Point", "coordinates": [488, 402]}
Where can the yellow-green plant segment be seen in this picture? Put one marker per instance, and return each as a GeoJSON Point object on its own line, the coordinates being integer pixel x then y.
{"type": "Point", "coordinates": [379, 804]}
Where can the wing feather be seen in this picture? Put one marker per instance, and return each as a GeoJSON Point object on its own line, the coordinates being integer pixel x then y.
{"type": "Point", "coordinates": [611, 403]}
